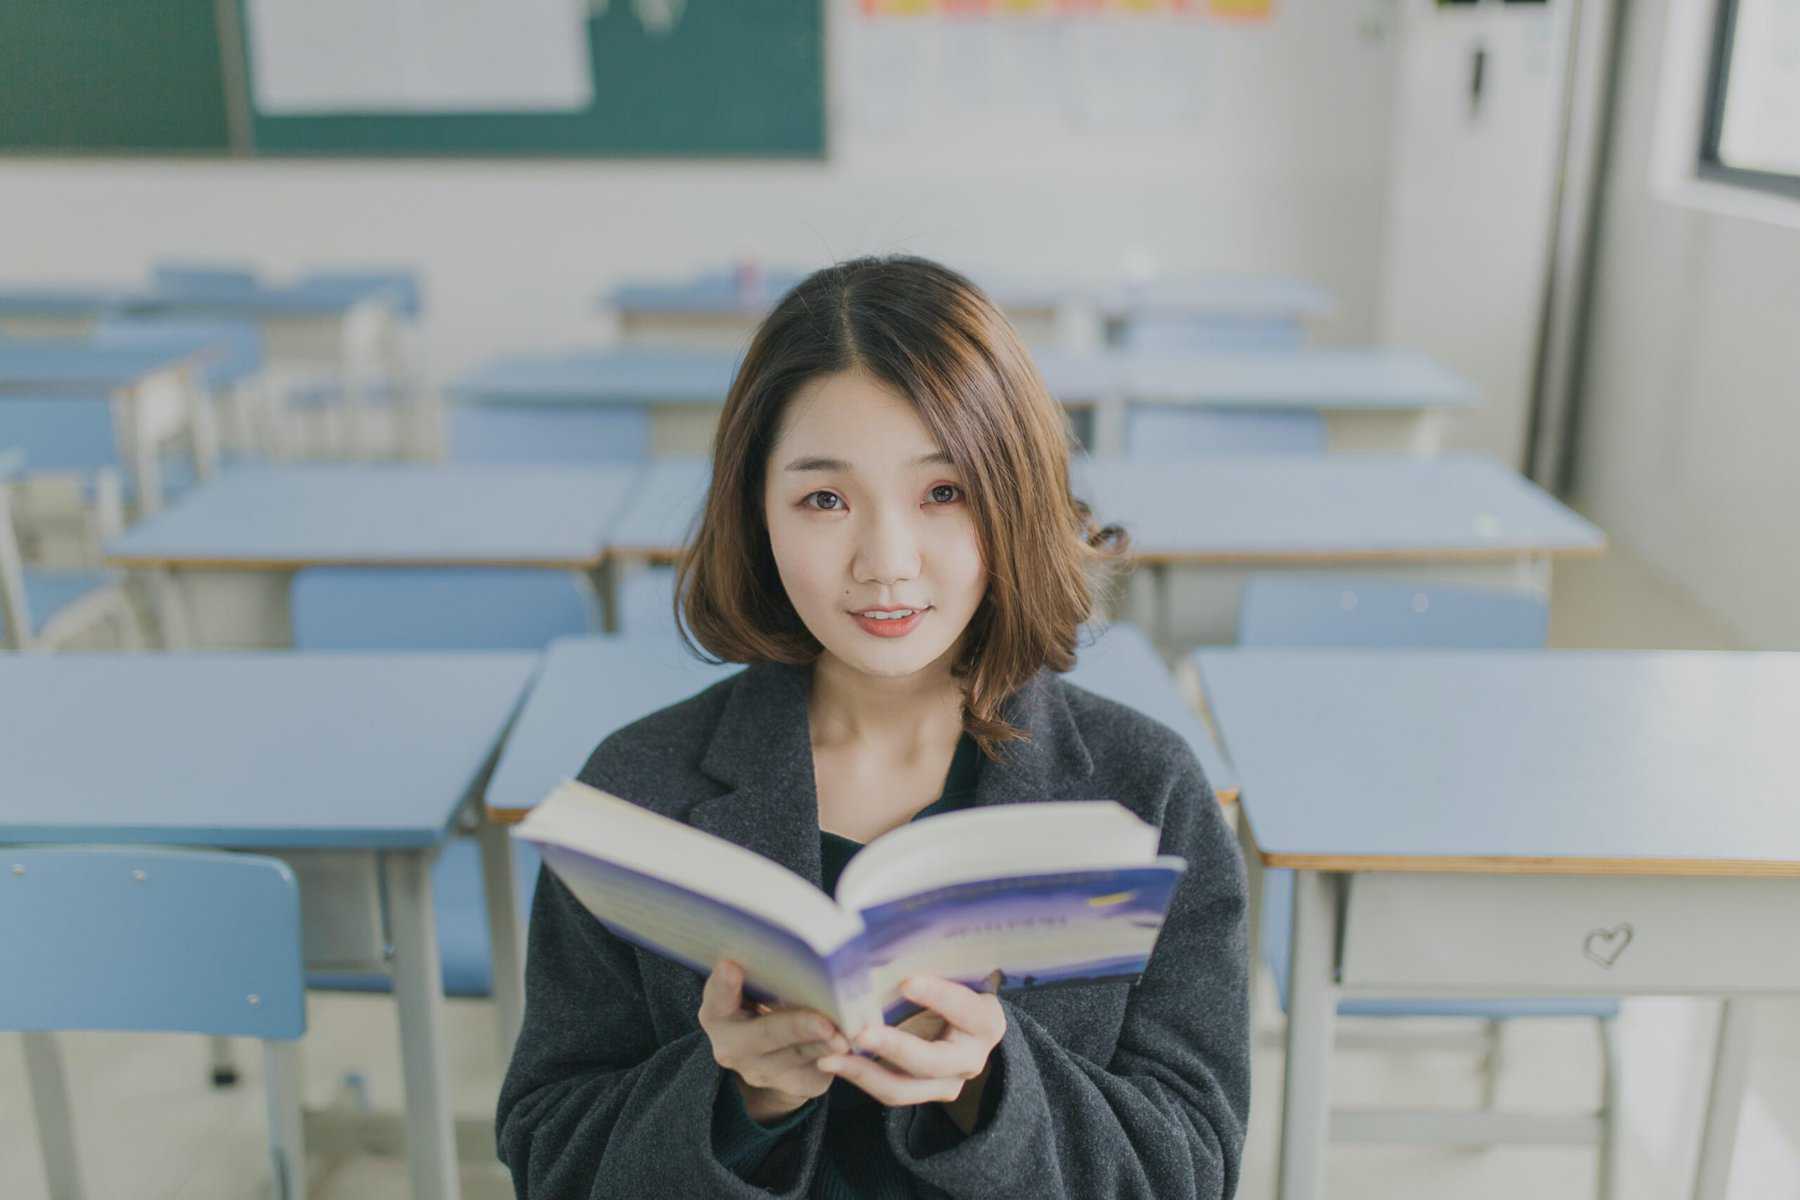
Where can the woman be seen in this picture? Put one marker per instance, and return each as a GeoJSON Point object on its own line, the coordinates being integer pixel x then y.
{"type": "Point", "coordinates": [889, 541]}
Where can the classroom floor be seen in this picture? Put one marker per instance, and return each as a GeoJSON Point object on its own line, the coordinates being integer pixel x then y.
{"type": "Point", "coordinates": [149, 1126]}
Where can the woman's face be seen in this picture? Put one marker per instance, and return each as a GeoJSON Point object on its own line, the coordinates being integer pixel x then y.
{"type": "Point", "coordinates": [865, 512]}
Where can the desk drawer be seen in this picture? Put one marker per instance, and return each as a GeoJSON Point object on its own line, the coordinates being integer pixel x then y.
{"type": "Point", "coordinates": [1565, 935]}
{"type": "Point", "coordinates": [340, 909]}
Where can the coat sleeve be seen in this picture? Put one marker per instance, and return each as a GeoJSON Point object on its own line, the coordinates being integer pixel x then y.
{"type": "Point", "coordinates": [1166, 1117]}
{"type": "Point", "coordinates": [593, 1105]}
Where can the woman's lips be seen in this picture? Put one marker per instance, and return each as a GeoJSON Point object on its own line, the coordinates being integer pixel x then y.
{"type": "Point", "coordinates": [890, 629]}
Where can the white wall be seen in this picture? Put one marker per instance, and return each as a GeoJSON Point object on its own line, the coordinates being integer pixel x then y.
{"type": "Point", "coordinates": [1690, 447]}
{"type": "Point", "coordinates": [1174, 141]}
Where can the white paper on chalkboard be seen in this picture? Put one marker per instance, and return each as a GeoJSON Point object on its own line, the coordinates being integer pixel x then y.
{"type": "Point", "coordinates": [311, 57]}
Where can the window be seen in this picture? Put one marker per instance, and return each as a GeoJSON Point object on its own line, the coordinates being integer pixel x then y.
{"type": "Point", "coordinates": [1752, 133]}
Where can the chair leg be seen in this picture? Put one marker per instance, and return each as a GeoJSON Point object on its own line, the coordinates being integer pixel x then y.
{"type": "Point", "coordinates": [1493, 1033]}
{"type": "Point", "coordinates": [224, 1062]}
{"type": "Point", "coordinates": [131, 631]}
{"type": "Point", "coordinates": [287, 1137]}
{"type": "Point", "coordinates": [1612, 1124]}
{"type": "Point", "coordinates": [50, 1100]}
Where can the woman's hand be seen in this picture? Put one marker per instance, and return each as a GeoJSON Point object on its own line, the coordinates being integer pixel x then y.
{"type": "Point", "coordinates": [771, 1053]}
{"type": "Point", "coordinates": [940, 1054]}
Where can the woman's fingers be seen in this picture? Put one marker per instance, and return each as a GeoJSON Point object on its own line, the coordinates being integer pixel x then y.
{"type": "Point", "coordinates": [892, 1088]}
{"type": "Point", "coordinates": [722, 997]}
{"type": "Point", "coordinates": [955, 1055]}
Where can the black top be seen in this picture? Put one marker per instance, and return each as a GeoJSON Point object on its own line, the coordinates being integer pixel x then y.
{"type": "Point", "coordinates": [858, 1164]}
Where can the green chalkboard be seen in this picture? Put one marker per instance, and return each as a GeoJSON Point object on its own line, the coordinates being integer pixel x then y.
{"type": "Point", "coordinates": [111, 75]}
{"type": "Point", "coordinates": [731, 78]}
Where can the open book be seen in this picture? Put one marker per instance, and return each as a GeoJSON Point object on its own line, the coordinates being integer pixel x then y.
{"type": "Point", "coordinates": [1047, 894]}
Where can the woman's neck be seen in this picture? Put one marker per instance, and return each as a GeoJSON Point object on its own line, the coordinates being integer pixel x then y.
{"type": "Point", "coordinates": [895, 718]}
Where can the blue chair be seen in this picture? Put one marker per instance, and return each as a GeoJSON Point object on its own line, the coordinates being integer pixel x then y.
{"type": "Point", "coordinates": [44, 609]}
{"type": "Point", "coordinates": [350, 608]}
{"type": "Point", "coordinates": [548, 433]}
{"type": "Point", "coordinates": [236, 355]}
{"type": "Point", "coordinates": [1325, 611]}
{"type": "Point", "coordinates": [1168, 431]}
{"type": "Point", "coordinates": [401, 284]}
{"type": "Point", "coordinates": [647, 601]}
{"type": "Point", "coordinates": [150, 939]}
{"type": "Point", "coordinates": [75, 435]}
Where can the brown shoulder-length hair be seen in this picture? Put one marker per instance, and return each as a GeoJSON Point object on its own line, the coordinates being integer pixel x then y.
{"type": "Point", "coordinates": [933, 337]}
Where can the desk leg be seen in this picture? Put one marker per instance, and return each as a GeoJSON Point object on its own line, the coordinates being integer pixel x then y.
{"type": "Point", "coordinates": [419, 990]}
{"type": "Point", "coordinates": [1312, 1013]}
{"type": "Point", "coordinates": [605, 581]}
{"type": "Point", "coordinates": [1253, 883]}
{"type": "Point", "coordinates": [503, 932]}
{"type": "Point", "coordinates": [1164, 599]}
{"type": "Point", "coordinates": [50, 1100]}
{"type": "Point", "coordinates": [1724, 1101]}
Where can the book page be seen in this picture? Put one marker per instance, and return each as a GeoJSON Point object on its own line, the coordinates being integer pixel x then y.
{"type": "Point", "coordinates": [610, 829]}
{"type": "Point", "coordinates": [1037, 931]}
{"type": "Point", "coordinates": [995, 843]}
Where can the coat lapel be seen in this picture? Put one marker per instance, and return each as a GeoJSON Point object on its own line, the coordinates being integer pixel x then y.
{"type": "Point", "coordinates": [761, 748]}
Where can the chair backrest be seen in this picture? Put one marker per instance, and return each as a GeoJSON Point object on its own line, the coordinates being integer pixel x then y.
{"type": "Point", "coordinates": [204, 279]}
{"type": "Point", "coordinates": [1278, 610]}
{"type": "Point", "coordinates": [1165, 431]}
{"type": "Point", "coordinates": [647, 601]}
{"type": "Point", "coordinates": [438, 608]}
{"type": "Point", "coordinates": [234, 349]}
{"type": "Point", "coordinates": [142, 938]}
{"type": "Point", "coordinates": [400, 283]}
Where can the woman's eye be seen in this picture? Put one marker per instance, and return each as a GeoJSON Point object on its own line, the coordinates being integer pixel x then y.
{"type": "Point", "coordinates": [955, 493]}
{"type": "Point", "coordinates": [822, 497]}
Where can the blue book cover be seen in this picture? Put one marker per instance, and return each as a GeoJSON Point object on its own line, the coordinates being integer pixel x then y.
{"type": "Point", "coordinates": [1049, 895]}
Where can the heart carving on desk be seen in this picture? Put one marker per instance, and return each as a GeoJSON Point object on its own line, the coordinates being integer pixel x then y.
{"type": "Point", "coordinates": [1605, 945]}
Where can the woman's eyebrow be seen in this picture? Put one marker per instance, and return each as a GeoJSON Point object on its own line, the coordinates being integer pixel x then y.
{"type": "Point", "coordinates": [817, 463]}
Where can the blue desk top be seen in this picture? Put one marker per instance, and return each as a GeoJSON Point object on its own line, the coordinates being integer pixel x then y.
{"type": "Point", "coordinates": [53, 300]}
{"type": "Point", "coordinates": [1370, 379]}
{"type": "Point", "coordinates": [41, 363]}
{"type": "Point", "coordinates": [627, 376]}
{"type": "Point", "coordinates": [309, 298]}
{"type": "Point", "coordinates": [717, 293]}
{"type": "Point", "coordinates": [1556, 761]}
{"type": "Point", "coordinates": [278, 517]}
{"type": "Point", "coordinates": [1224, 295]}
{"type": "Point", "coordinates": [276, 750]}
{"type": "Point", "coordinates": [664, 506]}
{"type": "Point", "coordinates": [591, 686]}
{"type": "Point", "coordinates": [1341, 506]}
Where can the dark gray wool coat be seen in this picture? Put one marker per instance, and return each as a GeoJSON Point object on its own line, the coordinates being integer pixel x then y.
{"type": "Point", "coordinates": [1109, 1089]}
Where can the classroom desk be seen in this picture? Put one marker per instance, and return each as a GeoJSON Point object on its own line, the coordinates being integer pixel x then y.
{"type": "Point", "coordinates": [1228, 312]}
{"type": "Point", "coordinates": [220, 561]}
{"type": "Point", "coordinates": [356, 769]}
{"type": "Point", "coordinates": [1455, 518]}
{"type": "Point", "coordinates": [680, 392]}
{"type": "Point", "coordinates": [1371, 398]}
{"type": "Point", "coordinates": [578, 700]}
{"type": "Point", "coordinates": [153, 391]}
{"type": "Point", "coordinates": [715, 309]}
{"type": "Point", "coordinates": [39, 310]}
{"type": "Point", "coordinates": [346, 330]}
{"type": "Point", "coordinates": [1519, 823]}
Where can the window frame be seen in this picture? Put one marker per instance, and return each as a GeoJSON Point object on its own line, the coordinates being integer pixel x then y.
{"type": "Point", "coordinates": [1718, 71]}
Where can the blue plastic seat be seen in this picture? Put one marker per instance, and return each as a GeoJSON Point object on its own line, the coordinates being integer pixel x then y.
{"type": "Point", "coordinates": [75, 435]}
{"type": "Point", "coordinates": [1332, 610]}
{"type": "Point", "coordinates": [150, 939]}
{"type": "Point", "coordinates": [431, 608]}
{"type": "Point", "coordinates": [1167, 431]}
{"type": "Point", "coordinates": [401, 284]}
{"type": "Point", "coordinates": [51, 593]}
